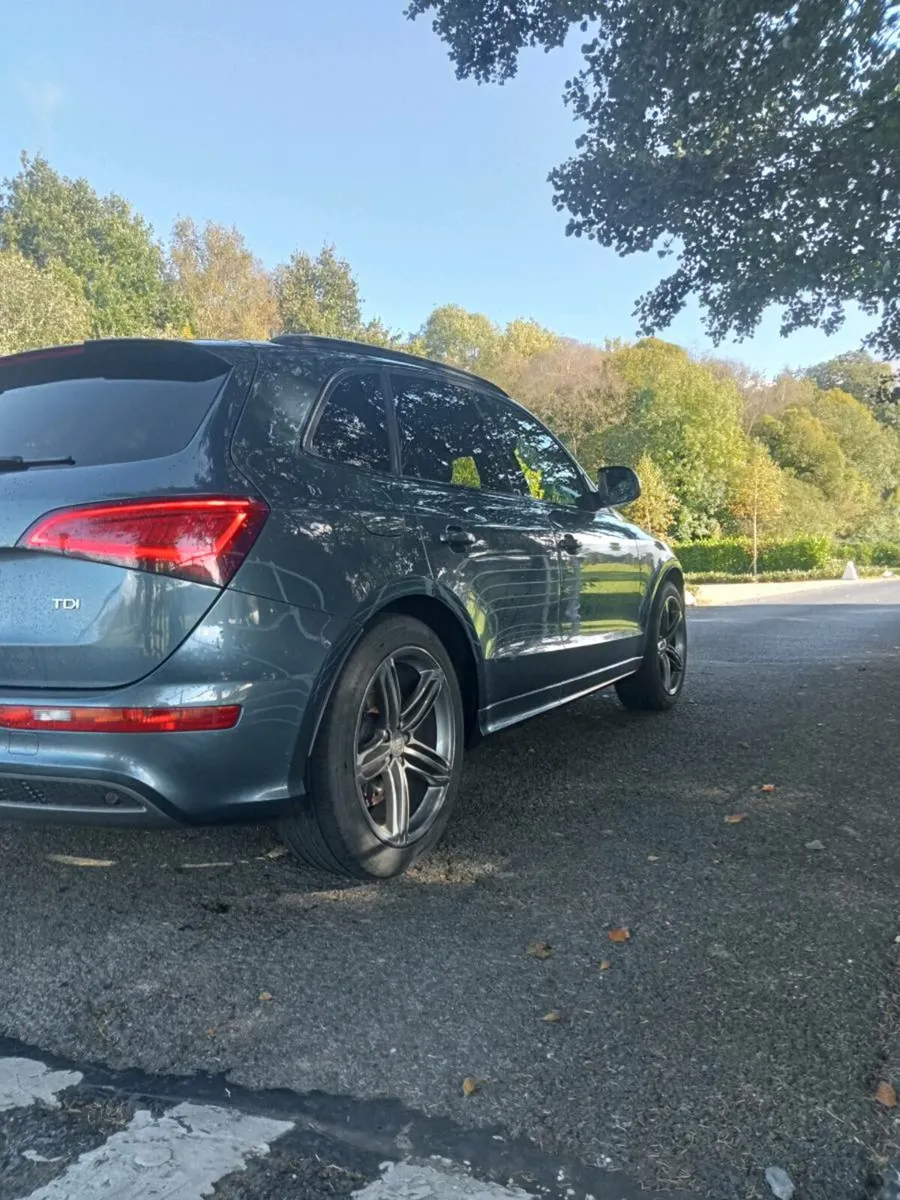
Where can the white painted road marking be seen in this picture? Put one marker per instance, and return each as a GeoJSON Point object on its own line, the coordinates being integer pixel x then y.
{"type": "Point", "coordinates": [403, 1181]}
{"type": "Point", "coordinates": [24, 1082]}
{"type": "Point", "coordinates": [182, 1154]}
{"type": "Point", "coordinates": [176, 1157]}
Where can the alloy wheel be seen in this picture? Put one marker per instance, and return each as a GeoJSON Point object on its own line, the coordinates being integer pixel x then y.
{"type": "Point", "coordinates": [405, 746]}
{"type": "Point", "coordinates": [671, 644]}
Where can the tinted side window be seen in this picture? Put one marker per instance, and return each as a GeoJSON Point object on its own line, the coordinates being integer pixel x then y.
{"type": "Point", "coordinates": [352, 427]}
{"type": "Point", "coordinates": [442, 435]}
{"type": "Point", "coordinates": [531, 460]}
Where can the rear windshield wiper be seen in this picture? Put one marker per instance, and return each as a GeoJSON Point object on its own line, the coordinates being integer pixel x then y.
{"type": "Point", "coordinates": [18, 463]}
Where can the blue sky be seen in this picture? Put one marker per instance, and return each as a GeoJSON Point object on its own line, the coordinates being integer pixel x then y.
{"type": "Point", "coordinates": [304, 123]}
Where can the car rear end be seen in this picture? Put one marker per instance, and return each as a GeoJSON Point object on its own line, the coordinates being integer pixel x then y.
{"type": "Point", "coordinates": [139, 680]}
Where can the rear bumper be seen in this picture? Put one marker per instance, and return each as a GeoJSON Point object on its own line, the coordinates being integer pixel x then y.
{"type": "Point", "coordinates": [274, 668]}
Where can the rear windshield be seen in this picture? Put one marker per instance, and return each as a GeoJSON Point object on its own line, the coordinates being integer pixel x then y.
{"type": "Point", "coordinates": [106, 403]}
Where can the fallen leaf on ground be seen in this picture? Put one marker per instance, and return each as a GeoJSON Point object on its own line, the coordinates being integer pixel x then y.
{"type": "Point", "coordinates": [605, 965]}
{"type": "Point", "coordinates": [767, 787]}
{"type": "Point", "coordinates": [276, 852]}
{"type": "Point", "coordinates": [553, 1017]}
{"type": "Point", "coordinates": [210, 1033]}
{"type": "Point", "coordinates": [265, 997]}
{"type": "Point", "coordinates": [652, 858]}
{"type": "Point", "coordinates": [470, 1085]}
{"type": "Point", "coordinates": [885, 1094]}
{"type": "Point", "coordinates": [744, 745]}
{"type": "Point", "coordinates": [815, 844]}
{"type": "Point", "coordinates": [539, 949]}
{"type": "Point", "coordinates": [619, 935]}
{"type": "Point", "coordinates": [735, 818]}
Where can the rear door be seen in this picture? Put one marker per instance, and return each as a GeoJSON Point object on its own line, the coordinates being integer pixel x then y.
{"type": "Point", "coordinates": [126, 420]}
{"type": "Point", "coordinates": [495, 553]}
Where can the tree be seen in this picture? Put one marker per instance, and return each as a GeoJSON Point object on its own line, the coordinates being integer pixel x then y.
{"type": "Point", "coordinates": [465, 339]}
{"type": "Point", "coordinates": [320, 295]}
{"type": "Point", "coordinates": [574, 388]}
{"type": "Point", "coordinates": [655, 508]}
{"type": "Point", "coordinates": [222, 285]}
{"type": "Point", "coordinates": [688, 421]}
{"type": "Point", "coordinates": [39, 307]}
{"type": "Point", "coordinates": [754, 140]}
{"type": "Point", "coordinates": [108, 247]}
{"type": "Point", "coordinates": [758, 496]}
{"type": "Point", "coordinates": [865, 378]}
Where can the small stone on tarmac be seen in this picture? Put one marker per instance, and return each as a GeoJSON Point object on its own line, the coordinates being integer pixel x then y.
{"type": "Point", "coordinates": [815, 844]}
{"type": "Point", "coordinates": [780, 1183]}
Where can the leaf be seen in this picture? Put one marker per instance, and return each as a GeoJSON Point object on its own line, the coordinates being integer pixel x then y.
{"type": "Point", "coordinates": [815, 844]}
{"type": "Point", "coordinates": [619, 935]}
{"type": "Point", "coordinates": [652, 858]}
{"type": "Point", "coordinates": [539, 949]}
{"type": "Point", "coordinates": [265, 997]}
{"type": "Point", "coordinates": [735, 818]}
{"type": "Point", "coordinates": [276, 852]}
{"type": "Point", "coordinates": [553, 1017]}
{"type": "Point", "coordinates": [470, 1085]}
{"type": "Point", "coordinates": [605, 964]}
{"type": "Point", "coordinates": [886, 1095]}
{"type": "Point", "coordinates": [767, 787]}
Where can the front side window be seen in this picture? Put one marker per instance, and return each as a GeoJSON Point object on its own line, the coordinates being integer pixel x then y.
{"type": "Point", "coordinates": [442, 435]}
{"type": "Point", "coordinates": [530, 458]}
{"type": "Point", "coordinates": [352, 428]}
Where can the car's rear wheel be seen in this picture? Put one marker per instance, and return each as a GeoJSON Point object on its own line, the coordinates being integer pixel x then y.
{"type": "Point", "coordinates": [658, 683]}
{"type": "Point", "coordinates": [385, 769]}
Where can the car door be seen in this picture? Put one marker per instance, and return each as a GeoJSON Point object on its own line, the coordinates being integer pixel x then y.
{"type": "Point", "coordinates": [601, 571]}
{"type": "Point", "coordinates": [491, 549]}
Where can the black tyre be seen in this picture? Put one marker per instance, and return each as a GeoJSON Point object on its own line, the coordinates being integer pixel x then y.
{"type": "Point", "coordinates": [658, 683]}
{"type": "Point", "coordinates": [385, 770]}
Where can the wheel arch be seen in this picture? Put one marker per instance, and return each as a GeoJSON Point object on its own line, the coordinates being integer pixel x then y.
{"type": "Point", "coordinates": [446, 618]}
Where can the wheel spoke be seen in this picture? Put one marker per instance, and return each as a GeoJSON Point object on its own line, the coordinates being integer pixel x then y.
{"type": "Point", "coordinates": [422, 701]}
{"type": "Point", "coordinates": [389, 686]}
{"type": "Point", "coordinates": [671, 618]}
{"type": "Point", "coordinates": [425, 762]}
{"type": "Point", "coordinates": [666, 667]}
{"type": "Point", "coordinates": [373, 758]}
{"type": "Point", "coordinates": [396, 795]}
{"type": "Point", "coordinates": [675, 659]}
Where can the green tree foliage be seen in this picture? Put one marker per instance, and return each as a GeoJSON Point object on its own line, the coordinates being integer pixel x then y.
{"type": "Point", "coordinates": [688, 421]}
{"type": "Point", "coordinates": [466, 339]}
{"type": "Point", "coordinates": [758, 495]}
{"type": "Point", "coordinates": [655, 508]}
{"type": "Point", "coordinates": [752, 140]}
{"type": "Point", "coordinates": [221, 284]}
{"type": "Point", "coordinates": [39, 307]}
{"type": "Point", "coordinates": [107, 246]}
{"type": "Point", "coordinates": [865, 378]}
{"type": "Point", "coordinates": [318, 295]}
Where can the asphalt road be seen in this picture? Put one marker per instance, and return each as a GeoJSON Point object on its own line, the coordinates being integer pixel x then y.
{"type": "Point", "coordinates": [746, 1023]}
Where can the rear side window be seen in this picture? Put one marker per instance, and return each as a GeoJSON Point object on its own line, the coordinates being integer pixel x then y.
{"type": "Point", "coordinates": [442, 435]}
{"type": "Point", "coordinates": [106, 403]}
{"type": "Point", "coordinates": [352, 428]}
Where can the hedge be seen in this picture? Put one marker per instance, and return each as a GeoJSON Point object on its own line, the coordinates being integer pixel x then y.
{"type": "Point", "coordinates": [734, 556]}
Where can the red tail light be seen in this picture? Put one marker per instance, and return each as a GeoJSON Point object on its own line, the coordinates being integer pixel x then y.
{"type": "Point", "coordinates": [119, 720]}
{"type": "Point", "coordinates": [204, 539]}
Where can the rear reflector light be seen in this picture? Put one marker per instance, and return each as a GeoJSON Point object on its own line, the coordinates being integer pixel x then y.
{"type": "Point", "coordinates": [120, 720]}
{"type": "Point", "coordinates": [205, 539]}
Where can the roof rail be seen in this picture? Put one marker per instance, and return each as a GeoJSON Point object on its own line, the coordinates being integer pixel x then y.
{"type": "Point", "coordinates": [373, 351]}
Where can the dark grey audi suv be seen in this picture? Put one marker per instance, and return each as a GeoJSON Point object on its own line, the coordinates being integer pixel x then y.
{"type": "Point", "coordinates": [296, 578]}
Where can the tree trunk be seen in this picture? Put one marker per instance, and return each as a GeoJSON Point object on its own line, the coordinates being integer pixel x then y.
{"type": "Point", "coordinates": [754, 542]}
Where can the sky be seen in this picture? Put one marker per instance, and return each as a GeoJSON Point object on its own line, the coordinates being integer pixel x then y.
{"type": "Point", "coordinates": [305, 123]}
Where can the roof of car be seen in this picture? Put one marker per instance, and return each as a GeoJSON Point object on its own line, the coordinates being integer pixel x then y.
{"type": "Point", "coordinates": [339, 345]}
